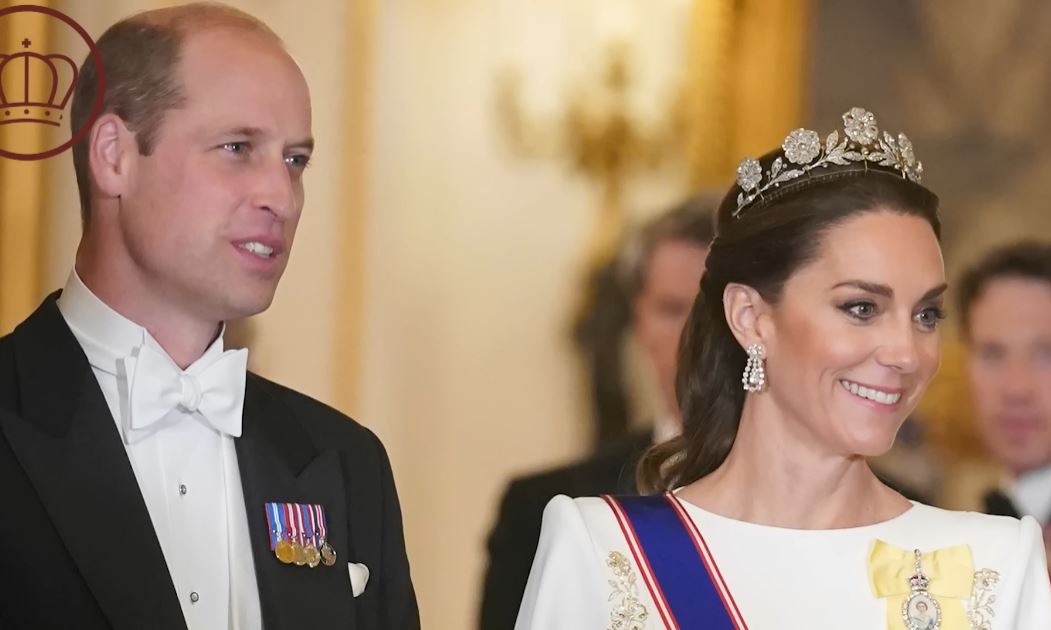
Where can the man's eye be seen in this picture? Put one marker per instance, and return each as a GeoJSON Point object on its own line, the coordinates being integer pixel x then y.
{"type": "Point", "coordinates": [298, 161]}
{"type": "Point", "coordinates": [237, 148]}
{"type": "Point", "coordinates": [990, 354]}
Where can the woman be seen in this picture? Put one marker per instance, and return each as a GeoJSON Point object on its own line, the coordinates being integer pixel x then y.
{"type": "Point", "coordinates": [813, 338]}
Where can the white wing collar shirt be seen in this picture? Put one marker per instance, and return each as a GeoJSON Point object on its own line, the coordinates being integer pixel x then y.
{"type": "Point", "coordinates": [178, 428]}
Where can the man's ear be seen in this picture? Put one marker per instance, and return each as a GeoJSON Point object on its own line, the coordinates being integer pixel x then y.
{"type": "Point", "coordinates": [746, 314]}
{"type": "Point", "coordinates": [111, 151]}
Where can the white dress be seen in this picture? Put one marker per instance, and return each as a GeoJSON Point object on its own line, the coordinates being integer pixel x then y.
{"type": "Point", "coordinates": [584, 575]}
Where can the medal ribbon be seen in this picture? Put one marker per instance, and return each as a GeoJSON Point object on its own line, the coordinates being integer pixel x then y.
{"type": "Point", "coordinates": [321, 523]}
{"type": "Point", "coordinates": [675, 563]}
{"type": "Point", "coordinates": [950, 571]}
{"type": "Point", "coordinates": [275, 523]}
{"type": "Point", "coordinates": [311, 525]}
{"type": "Point", "coordinates": [292, 531]}
{"type": "Point", "coordinates": [299, 524]}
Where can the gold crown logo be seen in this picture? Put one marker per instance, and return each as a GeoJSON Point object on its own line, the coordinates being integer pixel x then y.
{"type": "Point", "coordinates": [32, 88]}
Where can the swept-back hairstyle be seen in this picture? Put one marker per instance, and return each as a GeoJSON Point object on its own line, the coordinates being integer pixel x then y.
{"type": "Point", "coordinates": [761, 247]}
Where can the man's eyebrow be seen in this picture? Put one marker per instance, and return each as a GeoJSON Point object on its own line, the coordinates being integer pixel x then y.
{"type": "Point", "coordinates": [306, 143]}
{"type": "Point", "coordinates": [251, 132]}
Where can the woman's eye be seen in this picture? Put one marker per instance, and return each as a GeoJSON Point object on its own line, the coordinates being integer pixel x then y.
{"type": "Point", "coordinates": [860, 310]}
{"type": "Point", "coordinates": [931, 317]}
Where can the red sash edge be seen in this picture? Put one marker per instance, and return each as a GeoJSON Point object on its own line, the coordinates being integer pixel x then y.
{"type": "Point", "coordinates": [709, 561]}
{"type": "Point", "coordinates": [630, 537]}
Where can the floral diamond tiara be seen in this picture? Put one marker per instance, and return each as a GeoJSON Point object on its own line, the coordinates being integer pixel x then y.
{"type": "Point", "coordinates": [862, 143]}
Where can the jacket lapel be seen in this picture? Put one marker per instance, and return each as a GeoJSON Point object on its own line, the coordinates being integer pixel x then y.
{"type": "Point", "coordinates": [67, 442]}
{"type": "Point", "coordinates": [279, 463]}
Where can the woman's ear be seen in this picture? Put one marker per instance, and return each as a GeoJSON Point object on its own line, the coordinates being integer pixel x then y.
{"type": "Point", "coordinates": [745, 311]}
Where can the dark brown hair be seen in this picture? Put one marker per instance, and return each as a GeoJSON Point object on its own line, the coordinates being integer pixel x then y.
{"type": "Point", "coordinates": [761, 249]}
{"type": "Point", "coordinates": [693, 221]}
{"type": "Point", "coordinates": [1023, 259]}
{"type": "Point", "coordinates": [140, 55]}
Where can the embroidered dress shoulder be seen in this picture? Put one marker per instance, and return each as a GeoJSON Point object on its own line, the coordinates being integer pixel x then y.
{"type": "Point", "coordinates": [583, 574]}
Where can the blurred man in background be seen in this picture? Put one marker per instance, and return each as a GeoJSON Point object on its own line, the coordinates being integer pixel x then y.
{"type": "Point", "coordinates": [1005, 302]}
{"type": "Point", "coordinates": [660, 272]}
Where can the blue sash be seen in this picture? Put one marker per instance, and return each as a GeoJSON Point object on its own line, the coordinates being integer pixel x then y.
{"type": "Point", "coordinates": [686, 581]}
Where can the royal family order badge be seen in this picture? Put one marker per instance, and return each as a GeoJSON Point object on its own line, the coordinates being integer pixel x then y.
{"type": "Point", "coordinates": [920, 611]}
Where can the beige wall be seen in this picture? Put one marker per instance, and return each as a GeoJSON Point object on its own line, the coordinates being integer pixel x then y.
{"type": "Point", "coordinates": [474, 257]}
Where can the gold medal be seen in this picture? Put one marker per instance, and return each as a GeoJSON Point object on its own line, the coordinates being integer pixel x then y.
{"type": "Point", "coordinates": [328, 554]}
{"type": "Point", "coordinates": [299, 557]}
{"type": "Point", "coordinates": [284, 552]}
{"type": "Point", "coordinates": [312, 555]}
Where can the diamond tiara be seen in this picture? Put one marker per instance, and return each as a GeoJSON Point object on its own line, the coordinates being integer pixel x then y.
{"type": "Point", "coordinates": [862, 143]}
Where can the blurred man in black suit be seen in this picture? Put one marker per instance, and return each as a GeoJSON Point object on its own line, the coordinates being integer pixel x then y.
{"type": "Point", "coordinates": [660, 272]}
{"type": "Point", "coordinates": [1005, 301]}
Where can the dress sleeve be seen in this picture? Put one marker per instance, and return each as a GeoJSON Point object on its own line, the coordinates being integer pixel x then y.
{"type": "Point", "coordinates": [1028, 591]}
{"type": "Point", "coordinates": [564, 591]}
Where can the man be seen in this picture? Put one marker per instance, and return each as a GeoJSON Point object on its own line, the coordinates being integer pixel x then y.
{"type": "Point", "coordinates": [148, 480]}
{"type": "Point", "coordinates": [1005, 301]}
{"type": "Point", "coordinates": [663, 269]}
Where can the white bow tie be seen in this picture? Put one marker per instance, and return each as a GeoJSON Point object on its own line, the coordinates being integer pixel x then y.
{"type": "Point", "coordinates": [156, 387]}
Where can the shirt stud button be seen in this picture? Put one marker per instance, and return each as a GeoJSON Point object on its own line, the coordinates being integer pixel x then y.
{"type": "Point", "coordinates": [194, 597]}
{"type": "Point", "coordinates": [182, 490]}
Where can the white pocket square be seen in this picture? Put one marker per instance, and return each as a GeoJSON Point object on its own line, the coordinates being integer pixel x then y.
{"type": "Point", "coordinates": [359, 577]}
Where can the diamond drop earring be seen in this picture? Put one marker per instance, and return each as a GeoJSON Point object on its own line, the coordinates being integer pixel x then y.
{"type": "Point", "coordinates": [754, 379]}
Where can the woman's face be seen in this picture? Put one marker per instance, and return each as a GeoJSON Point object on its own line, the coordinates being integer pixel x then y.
{"type": "Point", "coordinates": [853, 342]}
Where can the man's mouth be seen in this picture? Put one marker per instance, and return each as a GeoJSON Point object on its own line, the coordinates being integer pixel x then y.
{"type": "Point", "coordinates": [257, 248]}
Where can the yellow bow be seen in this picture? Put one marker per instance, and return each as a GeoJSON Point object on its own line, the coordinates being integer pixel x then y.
{"type": "Point", "coordinates": [950, 571]}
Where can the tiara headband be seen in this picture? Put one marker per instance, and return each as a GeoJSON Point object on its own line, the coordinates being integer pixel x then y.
{"type": "Point", "coordinates": [804, 152]}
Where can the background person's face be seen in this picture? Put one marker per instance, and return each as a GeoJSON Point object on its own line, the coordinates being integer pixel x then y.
{"type": "Point", "coordinates": [1009, 366]}
{"type": "Point", "coordinates": [210, 215]}
{"type": "Point", "coordinates": [669, 288]}
{"type": "Point", "coordinates": [854, 342]}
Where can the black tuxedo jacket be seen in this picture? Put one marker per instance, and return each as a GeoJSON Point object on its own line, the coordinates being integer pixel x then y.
{"type": "Point", "coordinates": [78, 549]}
{"type": "Point", "coordinates": [513, 540]}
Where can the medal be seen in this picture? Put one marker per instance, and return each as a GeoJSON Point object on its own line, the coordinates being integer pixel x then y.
{"type": "Point", "coordinates": [299, 556]}
{"type": "Point", "coordinates": [920, 611]}
{"type": "Point", "coordinates": [278, 543]}
{"type": "Point", "coordinates": [296, 519]}
{"type": "Point", "coordinates": [298, 534]}
{"type": "Point", "coordinates": [312, 555]}
{"type": "Point", "coordinates": [311, 552]}
{"type": "Point", "coordinates": [284, 552]}
{"type": "Point", "coordinates": [328, 554]}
